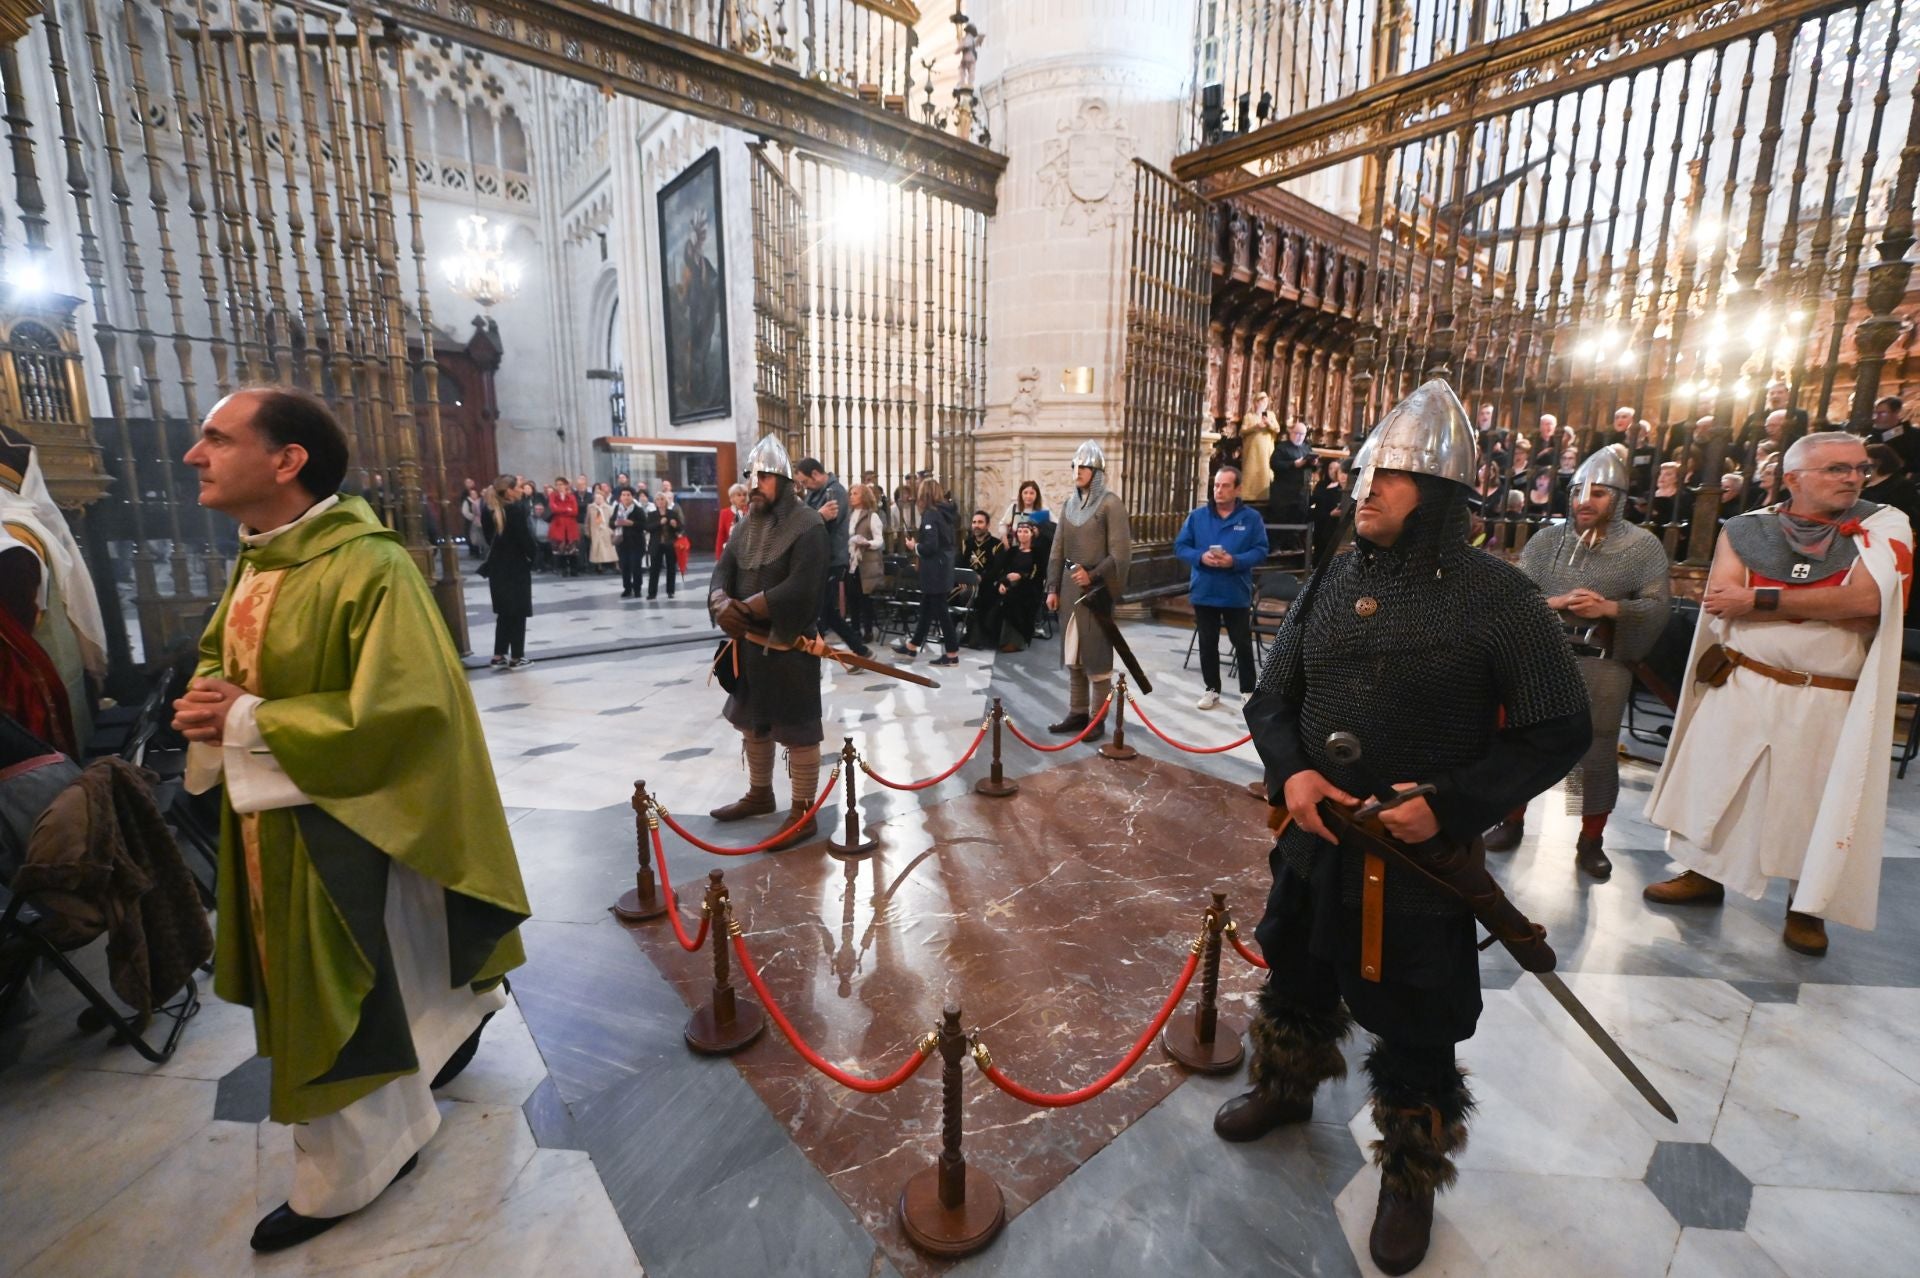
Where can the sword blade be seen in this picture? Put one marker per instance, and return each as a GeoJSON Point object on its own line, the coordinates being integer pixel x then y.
{"type": "Point", "coordinates": [1615, 1053]}
{"type": "Point", "coordinates": [846, 659]}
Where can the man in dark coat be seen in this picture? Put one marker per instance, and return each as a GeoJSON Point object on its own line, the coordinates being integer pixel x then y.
{"type": "Point", "coordinates": [767, 585]}
{"type": "Point", "coordinates": [978, 552]}
{"type": "Point", "coordinates": [1449, 667]}
{"type": "Point", "coordinates": [824, 493]}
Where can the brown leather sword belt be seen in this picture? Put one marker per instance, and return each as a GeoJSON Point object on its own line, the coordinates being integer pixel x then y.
{"type": "Point", "coordinates": [1792, 678]}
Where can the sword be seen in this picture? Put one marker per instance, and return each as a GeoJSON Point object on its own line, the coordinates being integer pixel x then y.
{"type": "Point", "coordinates": [1102, 614]}
{"type": "Point", "coordinates": [1515, 931]}
{"type": "Point", "coordinates": [851, 661]}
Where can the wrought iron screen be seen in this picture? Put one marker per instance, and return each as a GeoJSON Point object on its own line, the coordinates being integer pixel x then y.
{"type": "Point", "coordinates": [1169, 284]}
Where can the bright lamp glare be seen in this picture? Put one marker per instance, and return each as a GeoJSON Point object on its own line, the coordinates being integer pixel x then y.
{"type": "Point", "coordinates": [27, 276]}
{"type": "Point", "coordinates": [860, 221]}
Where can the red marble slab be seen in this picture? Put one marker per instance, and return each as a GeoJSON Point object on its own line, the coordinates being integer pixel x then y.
{"type": "Point", "coordinates": [1057, 919]}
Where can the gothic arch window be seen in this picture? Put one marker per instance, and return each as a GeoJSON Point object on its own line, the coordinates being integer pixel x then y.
{"type": "Point", "coordinates": [513, 143]}
{"type": "Point", "coordinates": [478, 119]}
{"type": "Point", "coordinates": [613, 336]}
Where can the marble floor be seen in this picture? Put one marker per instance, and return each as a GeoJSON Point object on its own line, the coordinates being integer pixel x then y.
{"type": "Point", "coordinates": [586, 1139]}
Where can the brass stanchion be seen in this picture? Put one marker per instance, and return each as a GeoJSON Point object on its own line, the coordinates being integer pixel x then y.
{"type": "Point", "coordinates": [727, 1022]}
{"type": "Point", "coordinates": [1118, 747]}
{"type": "Point", "coordinates": [1202, 1042]}
{"type": "Point", "coordinates": [950, 1208]}
{"type": "Point", "coordinates": [995, 784]}
{"type": "Point", "coordinates": [642, 901]}
{"type": "Point", "coordinates": [853, 843]}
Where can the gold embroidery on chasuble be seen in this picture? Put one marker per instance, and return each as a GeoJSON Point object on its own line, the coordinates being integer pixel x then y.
{"type": "Point", "coordinates": [241, 641]}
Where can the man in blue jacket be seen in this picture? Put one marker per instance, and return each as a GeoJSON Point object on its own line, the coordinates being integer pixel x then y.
{"type": "Point", "coordinates": [1223, 542]}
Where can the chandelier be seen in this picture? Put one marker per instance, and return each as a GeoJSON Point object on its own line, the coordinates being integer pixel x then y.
{"type": "Point", "coordinates": [481, 271]}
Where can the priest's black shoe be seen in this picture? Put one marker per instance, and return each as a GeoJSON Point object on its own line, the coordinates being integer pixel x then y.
{"type": "Point", "coordinates": [1591, 857]}
{"type": "Point", "coordinates": [283, 1227]}
{"type": "Point", "coordinates": [1074, 721]}
{"type": "Point", "coordinates": [463, 1054]}
{"type": "Point", "coordinates": [1251, 1115]}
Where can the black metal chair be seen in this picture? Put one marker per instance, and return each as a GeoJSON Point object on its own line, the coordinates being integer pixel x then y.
{"type": "Point", "coordinates": [962, 599]}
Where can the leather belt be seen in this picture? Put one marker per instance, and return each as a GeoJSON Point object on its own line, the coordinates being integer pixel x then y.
{"type": "Point", "coordinates": [1792, 678]}
{"type": "Point", "coordinates": [1373, 902]}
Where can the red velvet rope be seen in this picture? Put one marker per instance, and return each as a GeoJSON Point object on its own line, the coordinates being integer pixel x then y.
{"type": "Point", "coordinates": [1059, 1100]}
{"type": "Point", "coordinates": [1049, 749]}
{"type": "Point", "coordinates": [765, 843]}
{"type": "Point", "coordinates": [673, 902]}
{"type": "Point", "coordinates": [921, 785]}
{"type": "Point", "coordinates": [871, 1086]}
{"type": "Point", "coordinates": [1246, 953]}
{"type": "Point", "coordinates": [1181, 745]}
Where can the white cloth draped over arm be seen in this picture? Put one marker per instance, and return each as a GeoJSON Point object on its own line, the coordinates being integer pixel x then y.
{"type": "Point", "coordinates": [255, 780]}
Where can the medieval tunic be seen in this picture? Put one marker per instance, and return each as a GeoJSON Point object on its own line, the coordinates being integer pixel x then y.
{"type": "Point", "coordinates": [1763, 779]}
{"type": "Point", "coordinates": [780, 552]}
{"type": "Point", "coordinates": [368, 892]}
{"type": "Point", "coordinates": [1630, 566]}
{"type": "Point", "coordinates": [1095, 535]}
{"type": "Point", "coordinates": [1417, 649]}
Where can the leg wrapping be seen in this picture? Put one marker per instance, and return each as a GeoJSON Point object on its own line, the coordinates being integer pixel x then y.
{"type": "Point", "coordinates": [1420, 1104]}
{"type": "Point", "coordinates": [1295, 1048]}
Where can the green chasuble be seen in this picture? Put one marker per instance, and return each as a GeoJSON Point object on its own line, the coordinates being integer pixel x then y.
{"type": "Point", "coordinates": [367, 709]}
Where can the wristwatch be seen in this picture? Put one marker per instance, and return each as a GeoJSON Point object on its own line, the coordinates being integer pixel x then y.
{"type": "Point", "coordinates": [1766, 599]}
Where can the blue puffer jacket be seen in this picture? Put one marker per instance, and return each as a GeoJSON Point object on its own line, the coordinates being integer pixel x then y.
{"type": "Point", "coordinates": [1241, 534]}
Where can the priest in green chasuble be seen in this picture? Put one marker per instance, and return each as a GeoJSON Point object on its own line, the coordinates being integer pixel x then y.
{"type": "Point", "coordinates": [369, 898]}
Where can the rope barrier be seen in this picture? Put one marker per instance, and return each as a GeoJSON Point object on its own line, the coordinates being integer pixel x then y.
{"type": "Point", "coordinates": [1060, 1100]}
{"type": "Point", "coordinates": [930, 781]}
{"type": "Point", "coordinates": [1181, 745]}
{"type": "Point", "coordinates": [673, 902]}
{"type": "Point", "coordinates": [761, 846]}
{"type": "Point", "coordinates": [1099, 717]}
{"type": "Point", "coordinates": [1232, 930]}
{"type": "Point", "coordinates": [870, 1086]}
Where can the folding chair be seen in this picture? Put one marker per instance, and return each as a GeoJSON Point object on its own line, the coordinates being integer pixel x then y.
{"type": "Point", "coordinates": [961, 600]}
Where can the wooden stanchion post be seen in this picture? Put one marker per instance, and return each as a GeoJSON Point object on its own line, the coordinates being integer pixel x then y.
{"type": "Point", "coordinates": [1203, 1042]}
{"type": "Point", "coordinates": [950, 1208]}
{"type": "Point", "coordinates": [853, 843]}
{"type": "Point", "coordinates": [643, 900]}
{"type": "Point", "coordinates": [1118, 747]}
{"type": "Point", "coordinates": [727, 1022]}
{"type": "Point", "coordinates": [995, 784]}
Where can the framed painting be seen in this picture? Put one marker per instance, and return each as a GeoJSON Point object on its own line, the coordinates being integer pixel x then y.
{"type": "Point", "coordinates": [693, 275]}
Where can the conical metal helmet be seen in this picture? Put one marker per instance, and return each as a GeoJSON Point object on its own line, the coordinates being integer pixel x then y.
{"type": "Point", "coordinates": [769, 457]}
{"type": "Point", "coordinates": [1604, 469]}
{"type": "Point", "coordinates": [1427, 433]}
{"type": "Point", "coordinates": [1090, 455]}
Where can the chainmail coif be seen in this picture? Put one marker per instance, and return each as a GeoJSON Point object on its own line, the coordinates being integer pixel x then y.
{"type": "Point", "coordinates": [1456, 635]}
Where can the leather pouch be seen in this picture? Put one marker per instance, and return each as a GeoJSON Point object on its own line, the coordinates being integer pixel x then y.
{"type": "Point", "coordinates": [1715, 666]}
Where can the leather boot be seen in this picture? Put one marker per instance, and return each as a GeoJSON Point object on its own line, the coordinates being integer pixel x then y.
{"type": "Point", "coordinates": [1402, 1227]}
{"type": "Point", "coordinates": [1420, 1106]}
{"type": "Point", "coordinates": [1690, 888]}
{"type": "Point", "coordinates": [1505, 837]}
{"type": "Point", "coordinates": [1805, 934]}
{"type": "Point", "coordinates": [1075, 720]}
{"type": "Point", "coordinates": [1099, 731]}
{"type": "Point", "coordinates": [757, 801]}
{"type": "Point", "coordinates": [1291, 1051]}
{"type": "Point", "coordinates": [1251, 1115]}
{"type": "Point", "coordinates": [801, 833]}
{"type": "Point", "coordinates": [1591, 857]}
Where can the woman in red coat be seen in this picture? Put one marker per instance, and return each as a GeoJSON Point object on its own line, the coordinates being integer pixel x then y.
{"type": "Point", "coordinates": [563, 510]}
{"type": "Point", "coordinates": [730, 517]}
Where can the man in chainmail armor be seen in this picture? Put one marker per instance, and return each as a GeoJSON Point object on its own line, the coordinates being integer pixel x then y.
{"type": "Point", "coordinates": [770, 580]}
{"type": "Point", "coordinates": [1417, 644]}
{"type": "Point", "coordinates": [1094, 545]}
{"type": "Point", "coordinates": [1607, 579]}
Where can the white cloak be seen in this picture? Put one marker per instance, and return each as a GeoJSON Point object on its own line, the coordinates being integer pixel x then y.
{"type": "Point", "coordinates": [1763, 780]}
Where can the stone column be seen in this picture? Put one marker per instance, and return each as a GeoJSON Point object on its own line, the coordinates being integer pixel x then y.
{"type": "Point", "coordinates": [1073, 90]}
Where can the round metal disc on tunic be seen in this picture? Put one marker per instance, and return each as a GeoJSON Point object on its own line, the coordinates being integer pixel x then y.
{"type": "Point", "coordinates": [1366, 605]}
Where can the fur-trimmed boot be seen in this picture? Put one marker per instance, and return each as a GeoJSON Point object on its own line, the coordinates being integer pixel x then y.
{"type": "Point", "coordinates": [1420, 1105]}
{"type": "Point", "coordinates": [1294, 1050]}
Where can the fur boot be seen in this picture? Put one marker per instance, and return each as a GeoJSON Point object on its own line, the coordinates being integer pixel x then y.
{"type": "Point", "coordinates": [1420, 1105]}
{"type": "Point", "coordinates": [1293, 1051]}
